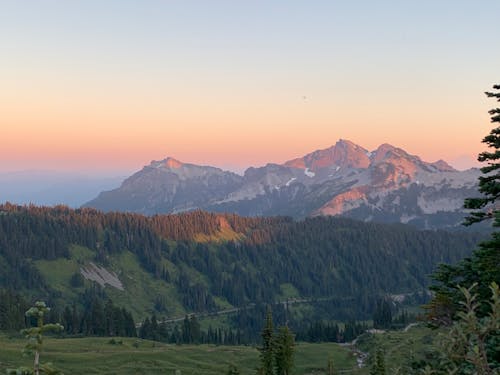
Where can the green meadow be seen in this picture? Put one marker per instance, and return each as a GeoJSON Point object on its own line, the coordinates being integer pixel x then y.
{"type": "Point", "coordinates": [135, 356]}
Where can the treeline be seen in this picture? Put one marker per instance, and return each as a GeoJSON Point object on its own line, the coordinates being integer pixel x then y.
{"type": "Point", "coordinates": [98, 316]}
{"type": "Point", "coordinates": [189, 332]}
{"type": "Point", "coordinates": [12, 309]}
{"type": "Point", "coordinates": [321, 257]}
{"type": "Point", "coordinates": [33, 232]}
{"type": "Point", "coordinates": [98, 319]}
{"type": "Point", "coordinates": [247, 324]}
{"type": "Point", "coordinates": [332, 332]}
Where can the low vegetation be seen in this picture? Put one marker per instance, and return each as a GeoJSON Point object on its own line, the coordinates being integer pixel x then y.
{"type": "Point", "coordinates": [94, 355]}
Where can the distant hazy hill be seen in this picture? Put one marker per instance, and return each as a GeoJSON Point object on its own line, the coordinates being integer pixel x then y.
{"type": "Point", "coordinates": [202, 261]}
{"type": "Point", "coordinates": [52, 187]}
{"type": "Point", "coordinates": [385, 185]}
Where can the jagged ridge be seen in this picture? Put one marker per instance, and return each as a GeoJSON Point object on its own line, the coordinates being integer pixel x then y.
{"type": "Point", "coordinates": [386, 184]}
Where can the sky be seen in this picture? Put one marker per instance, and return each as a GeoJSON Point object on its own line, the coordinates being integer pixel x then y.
{"type": "Point", "coordinates": [108, 86]}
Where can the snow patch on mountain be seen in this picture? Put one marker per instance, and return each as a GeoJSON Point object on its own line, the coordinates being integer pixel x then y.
{"type": "Point", "coordinates": [308, 173]}
{"type": "Point", "coordinates": [405, 219]}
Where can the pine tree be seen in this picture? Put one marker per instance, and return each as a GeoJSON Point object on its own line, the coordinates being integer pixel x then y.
{"type": "Point", "coordinates": [484, 264]}
{"type": "Point", "coordinates": [153, 328]}
{"type": "Point", "coordinates": [194, 329]}
{"type": "Point", "coordinates": [187, 336]}
{"type": "Point", "coordinates": [284, 346]}
{"type": "Point", "coordinates": [378, 366]}
{"type": "Point", "coordinates": [145, 331]}
{"type": "Point", "coordinates": [382, 316]}
{"type": "Point", "coordinates": [35, 337]}
{"type": "Point", "coordinates": [266, 350]}
{"type": "Point", "coordinates": [489, 185]}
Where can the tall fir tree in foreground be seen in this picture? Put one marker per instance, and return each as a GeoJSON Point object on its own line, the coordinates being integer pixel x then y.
{"type": "Point", "coordinates": [266, 350]}
{"type": "Point", "coordinates": [483, 267]}
{"type": "Point", "coordinates": [466, 296]}
{"type": "Point", "coordinates": [277, 350]}
{"type": "Point", "coordinates": [284, 346]}
{"type": "Point", "coordinates": [489, 184]}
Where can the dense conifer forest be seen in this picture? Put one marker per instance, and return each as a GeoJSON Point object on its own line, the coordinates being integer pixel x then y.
{"type": "Point", "coordinates": [343, 267]}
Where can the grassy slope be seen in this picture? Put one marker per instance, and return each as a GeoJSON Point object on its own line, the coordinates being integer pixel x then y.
{"type": "Point", "coordinates": [141, 288]}
{"type": "Point", "coordinates": [98, 356]}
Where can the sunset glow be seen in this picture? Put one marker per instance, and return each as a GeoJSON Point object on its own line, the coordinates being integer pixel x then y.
{"type": "Point", "coordinates": [111, 87]}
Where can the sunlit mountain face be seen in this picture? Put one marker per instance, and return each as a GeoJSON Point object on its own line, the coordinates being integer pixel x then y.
{"type": "Point", "coordinates": [386, 184]}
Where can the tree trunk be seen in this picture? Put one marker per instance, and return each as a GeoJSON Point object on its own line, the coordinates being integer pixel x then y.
{"type": "Point", "coordinates": [37, 363]}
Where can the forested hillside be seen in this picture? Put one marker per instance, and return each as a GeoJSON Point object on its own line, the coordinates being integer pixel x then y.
{"type": "Point", "coordinates": [198, 261]}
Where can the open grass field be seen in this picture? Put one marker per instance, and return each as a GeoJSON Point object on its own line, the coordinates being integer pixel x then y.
{"type": "Point", "coordinates": [133, 356]}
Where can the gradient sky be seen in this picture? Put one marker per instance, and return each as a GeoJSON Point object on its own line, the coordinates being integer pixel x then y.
{"type": "Point", "coordinates": [111, 85]}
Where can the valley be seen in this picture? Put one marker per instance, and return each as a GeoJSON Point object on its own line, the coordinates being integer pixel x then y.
{"type": "Point", "coordinates": [203, 262]}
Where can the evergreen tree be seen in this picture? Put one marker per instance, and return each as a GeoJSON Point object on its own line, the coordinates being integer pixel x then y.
{"type": "Point", "coordinates": [382, 316]}
{"type": "Point", "coordinates": [77, 280]}
{"type": "Point", "coordinates": [266, 350]}
{"type": "Point", "coordinates": [186, 331]}
{"type": "Point", "coordinates": [35, 337]}
{"type": "Point", "coordinates": [194, 329]}
{"type": "Point", "coordinates": [67, 319]}
{"type": "Point", "coordinates": [378, 365]}
{"type": "Point", "coordinates": [489, 185]}
{"type": "Point", "coordinates": [153, 329]}
{"type": "Point", "coordinates": [483, 266]}
{"type": "Point", "coordinates": [12, 307]}
{"type": "Point", "coordinates": [145, 331]}
{"type": "Point", "coordinates": [284, 346]}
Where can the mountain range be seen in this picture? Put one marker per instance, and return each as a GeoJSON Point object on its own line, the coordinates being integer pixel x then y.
{"type": "Point", "coordinates": [386, 184]}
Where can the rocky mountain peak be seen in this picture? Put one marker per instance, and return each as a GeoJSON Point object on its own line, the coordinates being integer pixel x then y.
{"type": "Point", "coordinates": [384, 151]}
{"type": "Point", "coordinates": [168, 163]}
{"type": "Point", "coordinates": [398, 157]}
{"type": "Point", "coordinates": [443, 166]}
{"type": "Point", "coordinates": [172, 163]}
{"type": "Point", "coordinates": [343, 154]}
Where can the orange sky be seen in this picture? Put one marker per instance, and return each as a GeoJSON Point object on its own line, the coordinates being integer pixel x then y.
{"type": "Point", "coordinates": [68, 130]}
{"type": "Point", "coordinates": [83, 91]}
